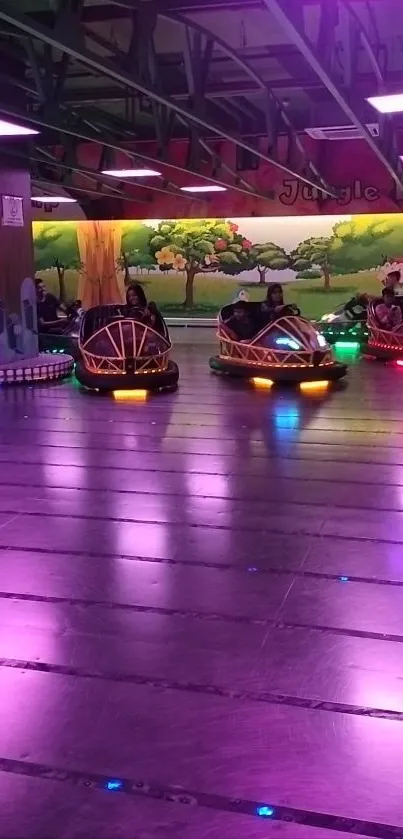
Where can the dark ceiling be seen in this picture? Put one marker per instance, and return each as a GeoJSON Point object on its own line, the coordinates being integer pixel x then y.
{"type": "Point", "coordinates": [137, 75]}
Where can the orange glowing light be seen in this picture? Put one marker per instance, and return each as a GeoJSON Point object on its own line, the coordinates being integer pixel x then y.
{"type": "Point", "coordinates": [399, 362]}
{"type": "Point", "coordinates": [263, 383]}
{"type": "Point", "coordinates": [320, 385]}
{"type": "Point", "coordinates": [130, 395]}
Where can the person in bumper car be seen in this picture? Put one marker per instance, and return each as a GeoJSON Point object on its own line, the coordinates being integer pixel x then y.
{"type": "Point", "coordinates": [138, 308]}
{"type": "Point", "coordinates": [388, 312]}
{"type": "Point", "coordinates": [48, 308]}
{"type": "Point", "coordinates": [240, 326]}
{"type": "Point", "coordinates": [274, 307]}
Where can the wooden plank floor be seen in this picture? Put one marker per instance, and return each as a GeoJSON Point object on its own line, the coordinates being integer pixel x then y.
{"type": "Point", "coordinates": [201, 601]}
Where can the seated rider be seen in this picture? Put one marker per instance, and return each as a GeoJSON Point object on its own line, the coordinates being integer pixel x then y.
{"type": "Point", "coordinates": [138, 308]}
{"type": "Point", "coordinates": [136, 303]}
{"type": "Point", "coordinates": [48, 307]}
{"type": "Point", "coordinates": [389, 314]}
{"type": "Point", "coordinates": [274, 307]}
{"type": "Point", "coordinates": [239, 325]}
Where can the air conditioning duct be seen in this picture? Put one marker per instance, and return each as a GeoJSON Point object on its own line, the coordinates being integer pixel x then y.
{"type": "Point", "coordinates": [342, 132]}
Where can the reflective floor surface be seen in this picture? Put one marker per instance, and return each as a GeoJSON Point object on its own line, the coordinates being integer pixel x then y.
{"type": "Point", "coordinates": [201, 611]}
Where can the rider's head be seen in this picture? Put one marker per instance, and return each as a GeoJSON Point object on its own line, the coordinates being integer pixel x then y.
{"type": "Point", "coordinates": [135, 296]}
{"type": "Point", "coordinates": [392, 279]}
{"type": "Point", "coordinates": [240, 310]}
{"type": "Point", "coordinates": [275, 295]}
{"type": "Point", "coordinates": [40, 288]}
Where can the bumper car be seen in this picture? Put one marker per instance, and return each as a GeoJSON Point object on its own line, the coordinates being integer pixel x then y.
{"type": "Point", "coordinates": [288, 349]}
{"type": "Point", "coordinates": [64, 340]}
{"type": "Point", "coordinates": [348, 323]}
{"type": "Point", "coordinates": [383, 344]}
{"type": "Point", "coordinates": [120, 353]}
{"type": "Point", "coordinates": [54, 343]}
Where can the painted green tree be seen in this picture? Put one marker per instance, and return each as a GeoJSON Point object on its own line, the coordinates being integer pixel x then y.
{"type": "Point", "coordinates": [269, 257]}
{"type": "Point", "coordinates": [200, 246]}
{"type": "Point", "coordinates": [363, 243]}
{"type": "Point", "coordinates": [312, 252]}
{"type": "Point", "coordinates": [56, 246]}
{"type": "Point", "coordinates": [135, 249]}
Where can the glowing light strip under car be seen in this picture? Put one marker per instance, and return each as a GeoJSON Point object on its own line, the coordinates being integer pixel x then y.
{"type": "Point", "coordinates": [263, 383]}
{"type": "Point", "coordinates": [319, 385]}
{"type": "Point", "coordinates": [130, 395]}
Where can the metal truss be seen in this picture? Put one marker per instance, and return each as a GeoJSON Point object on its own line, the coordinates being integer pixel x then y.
{"type": "Point", "coordinates": [121, 9]}
{"type": "Point", "coordinates": [137, 71]}
{"type": "Point", "coordinates": [335, 65]}
{"type": "Point", "coordinates": [45, 168]}
{"type": "Point", "coordinates": [276, 117]}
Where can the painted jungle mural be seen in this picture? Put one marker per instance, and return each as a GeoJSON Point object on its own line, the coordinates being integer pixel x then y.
{"type": "Point", "coordinates": [195, 266]}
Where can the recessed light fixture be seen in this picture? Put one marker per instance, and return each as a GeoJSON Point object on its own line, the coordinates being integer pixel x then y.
{"type": "Point", "coordinates": [10, 129]}
{"type": "Point", "coordinates": [390, 104]}
{"type": "Point", "coordinates": [53, 199]}
{"type": "Point", "coordinates": [205, 188]}
{"type": "Point", "coordinates": [131, 173]}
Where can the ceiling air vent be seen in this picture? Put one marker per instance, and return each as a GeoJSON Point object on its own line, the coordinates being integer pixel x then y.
{"type": "Point", "coordinates": [341, 132]}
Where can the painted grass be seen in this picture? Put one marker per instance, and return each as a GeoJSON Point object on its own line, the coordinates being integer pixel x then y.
{"type": "Point", "coordinates": [167, 290]}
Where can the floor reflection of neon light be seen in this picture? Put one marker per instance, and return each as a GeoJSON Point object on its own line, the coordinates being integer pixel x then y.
{"type": "Point", "coordinates": [286, 420]}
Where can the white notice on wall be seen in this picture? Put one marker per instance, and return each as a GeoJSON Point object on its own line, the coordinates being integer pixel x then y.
{"type": "Point", "coordinates": [12, 211]}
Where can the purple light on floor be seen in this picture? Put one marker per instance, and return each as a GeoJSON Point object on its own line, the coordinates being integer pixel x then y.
{"type": "Point", "coordinates": [10, 129]}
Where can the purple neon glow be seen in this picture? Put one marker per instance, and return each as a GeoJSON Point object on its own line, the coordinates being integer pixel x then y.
{"type": "Point", "coordinates": [10, 129]}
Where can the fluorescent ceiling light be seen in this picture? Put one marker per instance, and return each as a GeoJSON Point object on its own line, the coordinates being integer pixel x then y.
{"type": "Point", "coordinates": [205, 188]}
{"type": "Point", "coordinates": [131, 173]}
{"type": "Point", "coordinates": [53, 199]}
{"type": "Point", "coordinates": [389, 104]}
{"type": "Point", "coordinates": [10, 129]}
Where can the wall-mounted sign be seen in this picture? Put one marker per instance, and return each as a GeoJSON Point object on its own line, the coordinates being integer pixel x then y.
{"type": "Point", "coordinates": [12, 211]}
{"type": "Point", "coordinates": [294, 191]}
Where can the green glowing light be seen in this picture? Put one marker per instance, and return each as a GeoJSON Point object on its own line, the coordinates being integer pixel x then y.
{"type": "Point", "coordinates": [347, 345]}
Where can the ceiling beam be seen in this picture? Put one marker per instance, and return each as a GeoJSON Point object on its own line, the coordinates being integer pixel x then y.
{"type": "Point", "coordinates": [72, 188]}
{"type": "Point", "coordinates": [67, 127]}
{"type": "Point", "coordinates": [294, 30]}
{"type": "Point", "coordinates": [71, 43]}
{"type": "Point", "coordinates": [121, 9]}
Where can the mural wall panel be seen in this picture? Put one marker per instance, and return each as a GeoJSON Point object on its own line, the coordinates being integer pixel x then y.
{"type": "Point", "coordinates": [195, 266]}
